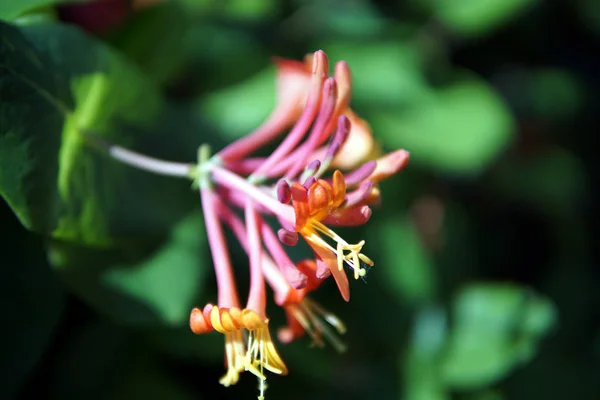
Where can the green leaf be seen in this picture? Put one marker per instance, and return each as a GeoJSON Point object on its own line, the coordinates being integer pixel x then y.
{"type": "Point", "coordinates": [59, 83]}
{"type": "Point", "coordinates": [410, 271]}
{"type": "Point", "coordinates": [496, 328]}
{"type": "Point", "coordinates": [422, 379]}
{"type": "Point", "coordinates": [239, 109]}
{"type": "Point", "coordinates": [383, 73]}
{"type": "Point", "coordinates": [139, 285]}
{"type": "Point", "coordinates": [10, 9]}
{"type": "Point", "coordinates": [461, 129]}
{"type": "Point", "coordinates": [33, 302]}
{"type": "Point", "coordinates": [152, 38]}
{"type": "Point", "coordinates": [477, 17]}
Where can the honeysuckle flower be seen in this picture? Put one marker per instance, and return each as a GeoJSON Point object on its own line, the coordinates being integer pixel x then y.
{"type": "Point", "coordinates": [298, 186]}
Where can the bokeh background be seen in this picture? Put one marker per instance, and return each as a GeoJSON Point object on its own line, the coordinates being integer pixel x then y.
{"type": "Point", "coordinates": [485, 285]}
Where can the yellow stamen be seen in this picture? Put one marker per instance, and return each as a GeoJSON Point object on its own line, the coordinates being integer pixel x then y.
{"type": "Point", "coordinates": [234, 351]}
{"type": "Point", "coordinates": [261, 354]}
{"type": "Point", "coordinates": [352, 258]}
{"type": "Point", "coordinates": [311, 316]}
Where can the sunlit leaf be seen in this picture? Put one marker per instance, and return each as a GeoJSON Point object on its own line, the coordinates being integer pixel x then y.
{"type": "Point", "coordinates": [462, 129]}
{"type": "Point", "coordinates": [496, 327]}
{"type": "Point", "coordinates": [10, 9]}
{"type": "Point", "coordinates": [476, 17]}
{"type": "Point", "coordinates": [59, 83]}
{"type": "Point", "coordinates": [388, 73]}
{"type": "Point", "coordinates": [239, 109]}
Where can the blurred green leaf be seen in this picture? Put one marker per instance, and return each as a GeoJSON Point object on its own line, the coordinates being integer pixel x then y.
{"type": "Point", "coordinates": [410, 271]}
{"type": "Point", "coordinates": [383, 73]}
{"type": "Point", "coordinates": [462, 129]}
{"type": "Point", "coordinates": [33, 302]}
{"type": "Point", "coordinates": [137, 286]}
{"type": "Point", "coordinates": [245, 10]}
{"type": "Point", "coordinates": [422, 378]}
{"type": "Point", "coordinates": [477, 17]}
{"type": "Point", "coordinates": [58, 82]}
{"type": "Point", "coordinates": [557, 94]}
{"type": "Point", "coordinates": [10, 9]}
{"type": "Point", "coordinates": [553, 181]}
{"type": "Point", "coordinates": [358, 19]}
{"type": "Point", "coordinates": [153, 38]}
{"type": "Point", "coordinates": [239, 109]}
{"type": "Point", "coordinates": [496, 327]}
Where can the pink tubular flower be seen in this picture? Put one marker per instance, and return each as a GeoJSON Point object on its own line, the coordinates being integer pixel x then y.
{"type": "Point", "coordinates": [293, 187]}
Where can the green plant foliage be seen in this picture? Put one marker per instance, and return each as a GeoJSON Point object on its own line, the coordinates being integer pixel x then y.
{"type": "Point", "coordinates": [33, 302]}
{"type": "Point", "coordinates": [383, 73]}
{"type": "Point", "coordinates": [139, 285]}
{"type": "Point", "coordinates": [477, 17]}
{"type": "Point", "coordinates": [495, 328]}
{"type": "Point", "coordinates": [239, 109]}
{"type": "Point", "coordinates": [422, 377]}
{"type": "Point", "coordinates": [459, 130]}
{"type": "Point", "coordinates": [413, 277]}
{"type": "Point", "coordinates": [51, 177]}
{"type": "Point", "coordinates": [10, 9]}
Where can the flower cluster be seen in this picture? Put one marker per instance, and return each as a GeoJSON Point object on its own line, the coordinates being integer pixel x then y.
{"type": "Point", "coordinates": [300, 187]}
{"type": "Point", "coordinates": [290, 185]}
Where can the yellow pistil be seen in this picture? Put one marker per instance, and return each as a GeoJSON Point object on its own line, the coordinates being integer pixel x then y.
{"type": "Point", "coordinates": [345, 253]}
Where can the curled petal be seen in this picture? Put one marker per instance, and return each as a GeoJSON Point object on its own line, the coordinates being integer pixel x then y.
{"type": "Point", "coordinates": [389, 165]}
{"type": "Point", "coordinates": [199, 324]}
{"type": "Point", "coordinates": [352, 216]}
{"type": "Point", "coordinates": [326, 259]}
{"type": "Point", "coordinates": [251, 320]}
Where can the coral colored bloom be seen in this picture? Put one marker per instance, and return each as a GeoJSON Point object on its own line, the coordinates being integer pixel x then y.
{"type": "Point", "coordinates": [295, 187]}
